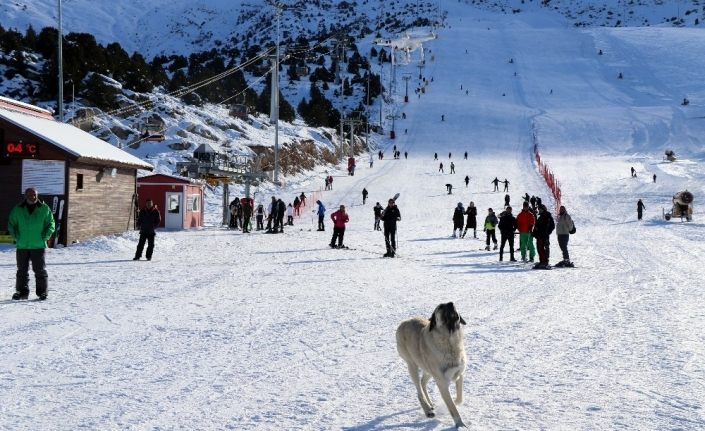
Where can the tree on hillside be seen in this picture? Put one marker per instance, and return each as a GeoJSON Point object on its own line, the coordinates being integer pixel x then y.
{"type": "Point", "coordinates": [99, 93]}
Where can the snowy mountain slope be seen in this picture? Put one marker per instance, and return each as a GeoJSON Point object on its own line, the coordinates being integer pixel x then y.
{"type": "Point", "coordinates": [180, 26]}
{"type": "Point", "coordinates": [230, 331]}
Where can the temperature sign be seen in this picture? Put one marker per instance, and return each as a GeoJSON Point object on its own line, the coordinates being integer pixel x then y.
{"type": "Point", "coordinates": [21, 150]}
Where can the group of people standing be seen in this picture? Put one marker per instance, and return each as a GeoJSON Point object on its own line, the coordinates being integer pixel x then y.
{"type": "Point", "coordinates": [533, 222]}
{"type": "Point", "coordinates": [242, 210]}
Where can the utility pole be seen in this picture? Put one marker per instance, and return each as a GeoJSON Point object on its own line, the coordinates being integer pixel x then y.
{"type": "Point", "coordinates": [274, 102]}
{"type": "Point", "coordinates": [406, 77]}
{"type": "Point", "coordinates": [61, 68]}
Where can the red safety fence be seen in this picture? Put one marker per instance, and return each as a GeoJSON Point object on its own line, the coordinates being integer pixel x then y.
{"type": "Point", "coordinates": [548, 175]}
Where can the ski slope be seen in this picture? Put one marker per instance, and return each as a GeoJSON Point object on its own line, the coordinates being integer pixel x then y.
{"type": "Point", "coordinates": [230, 331]}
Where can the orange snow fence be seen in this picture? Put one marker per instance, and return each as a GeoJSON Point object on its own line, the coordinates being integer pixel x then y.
{"type": "Point", "coordinates": [548, 176]}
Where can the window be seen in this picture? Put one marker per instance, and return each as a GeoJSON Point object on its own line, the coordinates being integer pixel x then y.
{"type": "Point", "coordinates": [195, 203]}
{"type": "Point", "coordinates": [173, 203]}
{"type": "Point", "coordinates": [79, 181]}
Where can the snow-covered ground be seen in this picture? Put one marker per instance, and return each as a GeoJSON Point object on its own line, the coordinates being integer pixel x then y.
{"type": "Point", "coordinates": [230, 331]}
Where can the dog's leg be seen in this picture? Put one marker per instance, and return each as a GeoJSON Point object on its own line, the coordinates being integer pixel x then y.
{"type": "Point", "coordinates": [425, 377]}
{"type": "Point", "coordinates": [445, 393]}
{"type": "Point", "coordinates": [459, 389]}
{"type": "Point", "coordinates": [414, 372]}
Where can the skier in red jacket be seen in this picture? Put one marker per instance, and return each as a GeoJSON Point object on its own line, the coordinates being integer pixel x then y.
{"type": "Point", "coordinates": [339, 218]}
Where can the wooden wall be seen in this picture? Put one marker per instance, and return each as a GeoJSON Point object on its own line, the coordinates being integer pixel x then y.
{"type": "Point", "coordinates": [10, 185]}
{"type": "Point", "coordinates": [104, 206]}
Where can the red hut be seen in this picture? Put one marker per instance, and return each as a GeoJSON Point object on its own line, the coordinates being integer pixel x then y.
{"type": "Point", "coordinates": [179, 199]}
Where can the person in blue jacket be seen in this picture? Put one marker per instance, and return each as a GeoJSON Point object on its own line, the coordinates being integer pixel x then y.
{"type": "Point", "coordinates": [321, 216]}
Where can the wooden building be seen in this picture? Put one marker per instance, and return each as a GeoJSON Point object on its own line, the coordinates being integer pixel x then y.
{"type": "Point", "coordinates": [89, 184]}
{"type": "Point", "coordinates": [179, 199]}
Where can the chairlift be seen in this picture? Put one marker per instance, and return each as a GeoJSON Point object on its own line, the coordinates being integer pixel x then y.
{"type": "Point", "coordinates": [302, 71]}
{"type": "Point", "coordinates": [152, 132]}
{"type": "Point", "coordinates": [239, 110]}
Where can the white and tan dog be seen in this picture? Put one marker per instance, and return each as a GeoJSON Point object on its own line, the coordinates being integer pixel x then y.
{"type": "Point", "coordinates": [436, 347]}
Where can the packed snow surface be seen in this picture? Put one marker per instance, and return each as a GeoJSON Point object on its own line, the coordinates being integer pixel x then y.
{"type": "Point", "coordinates": [224, 330]}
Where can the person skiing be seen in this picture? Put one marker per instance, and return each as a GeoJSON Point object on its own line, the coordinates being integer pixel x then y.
{"type": "Point", "coordinates": [496, 184]}
{"type": "Point", "coordinates": [506, 185]}
{"type": "Point", "coordinates": [452, 167]}
{"type": "Point", "coordinates": [506, 200]}
{"type": "Point", "coordinates": [526, 197]}
{"type": "Point", "coordinates": [290, 215]}
{"type": "Point", "coordinates": [406, 155]}
{"type": "Point", "coordinates": [259, 214]}
{"type": "Point", "coordinates": [564, 227]}
{"type": "Point", "coordinates": [489, 228]}
{"type": "Point", "coordinates": [297, 206]}
{"type": "Point", "coordinates": [440, 167]}
{"type": "Point", "coordinates": [458, 219]}
{"type": "Point", "coordinates": [525, 224]}
{"type": "Point", "coordinates": [443, 117]}
{"type": "Point", "coordinates": [364, 196]}
{"type": "Point", "coordinates": [321, 216]}
{"type": "Point", "coordinates": [633, 172]}
{"type": "Point", "coordinates": [466, 155]}
{"type": "Point", "coordinates": [532, 201]}
{"type": "Point", "coordinates": [247, 216]}
{"type": "Point", "coordinates": [542, 232]}
{"type": "Point", "coordinates": [654, 177]}
{"type": "Point", "coordinates": [148, 220]}
{"type": "Point", "coordinates": [378, 215]}
{"type": "Point", "coordinates": [467, 181]}
{"type": "Point", "coordinates": [235, 208]}
{"type": "Point", "coordinates": [449, 155]}
{"type": "Point", "coordinates": [339, 218]}
{"type": "Point", "coordinates": [281, 212]}
{"type": "Point", "coordinates": [507, 225]}
{"type": "Point", "coordinates": [391, 216]}
{"type": "Point", "coordinates": [330, 182]}
{"type": "Point", "coordinates": [435, 156]}
{"type": "Point", "coordinates": [30, 225]}
{"type": "Point", "coordinates": [327, 183]}
{"type": "Point", "coordinates": [272, 215]}
{"type": "Point", "coordinates": [302, 198]}
{"type": "Point", "coordinates": [472, 220]}
{"type": "Point", "coordinates": [449, 188]}
{"type": "Point", "coordinates": [640, 207]}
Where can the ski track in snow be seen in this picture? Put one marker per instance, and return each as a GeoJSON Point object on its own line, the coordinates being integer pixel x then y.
{"type": "Point", "coordinates": [230, 331]}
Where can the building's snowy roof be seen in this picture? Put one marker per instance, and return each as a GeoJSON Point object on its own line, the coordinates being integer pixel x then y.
{"type": "Point", "coordinates": [73, 140]}
{"type": "Point", "coordinates": [147, 179]}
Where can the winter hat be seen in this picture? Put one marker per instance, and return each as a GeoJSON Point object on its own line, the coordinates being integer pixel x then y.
{"type": "Point", "coordinates": [490, 210]}
{"type": "Point", "coordinates": [472, 204]}
{"type": "Point", "coordinates": [460, 204]}
{"type": "Point", "coordinates": [508, 209]}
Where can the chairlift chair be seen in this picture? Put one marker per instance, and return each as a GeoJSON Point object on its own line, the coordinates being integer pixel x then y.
{"type": "Point", "coordinates": [152, 132]}
{"type": "Point", "coordinates": [239, 110]}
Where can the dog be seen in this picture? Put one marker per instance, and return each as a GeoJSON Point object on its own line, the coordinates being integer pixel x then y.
{"type": "Point", "coordinates": [436, 347]}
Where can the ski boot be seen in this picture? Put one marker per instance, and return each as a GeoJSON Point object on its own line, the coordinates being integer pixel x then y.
{"type": "Point", "coordinates": [495, 247]}
{"type": "Point", "coordinates": [487, 248]}
{"type": "Point", "coordinates": [20, 295]}
{"type": "Point", "coordinates": [560, 264]}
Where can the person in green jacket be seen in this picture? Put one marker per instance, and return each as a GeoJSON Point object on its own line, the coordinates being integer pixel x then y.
{"type": "Point", "coordinates": [31, 224]}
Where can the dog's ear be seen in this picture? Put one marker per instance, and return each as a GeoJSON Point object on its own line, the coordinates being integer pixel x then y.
{"type": "Point", "coordinates": [462, 321]}
{"type": "Point", "coordinates": [433, 322]}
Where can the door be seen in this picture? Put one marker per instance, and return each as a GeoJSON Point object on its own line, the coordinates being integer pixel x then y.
{"type": "Point", "coordinates": [174, 211]}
